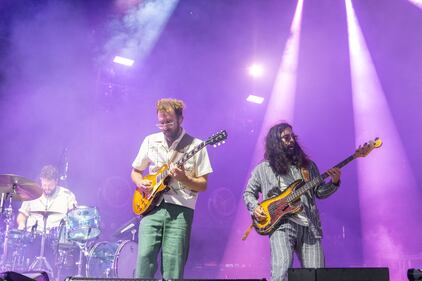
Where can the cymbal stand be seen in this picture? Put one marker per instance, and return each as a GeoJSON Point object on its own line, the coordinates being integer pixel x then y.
{"type": "Point", "coordinates": [83, 252]}
{"type": "Point", "coordinates": [40, 263]}
{"type": "Point", "coordinates": [8, 214]}
{"type": "Point", "coordinates": [133, 233]}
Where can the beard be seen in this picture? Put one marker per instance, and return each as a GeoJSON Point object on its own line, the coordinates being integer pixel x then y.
{"type": "Point", "coordinates": [292, 153]}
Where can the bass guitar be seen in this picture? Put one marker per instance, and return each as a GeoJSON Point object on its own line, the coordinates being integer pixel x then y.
{"type": "Point", "coordinates": [288, 202]}
{"type": "Point", "coordinates": [143, 201]}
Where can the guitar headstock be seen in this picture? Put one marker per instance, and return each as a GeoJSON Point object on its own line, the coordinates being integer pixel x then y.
{"type": "Point", "coordinates": [367, 147]}
{"type": "Point", "coordinates": [217, 139]}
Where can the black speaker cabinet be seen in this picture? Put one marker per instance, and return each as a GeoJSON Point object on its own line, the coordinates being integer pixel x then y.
{"type": "Point", "coordinates": [339, 274]}
{"type": "Point", "coordinates": [25, 276]}
{"type": "Point", "coordinates": [301, 274]}
{"type": "Point", "coordinates": [135, 279]}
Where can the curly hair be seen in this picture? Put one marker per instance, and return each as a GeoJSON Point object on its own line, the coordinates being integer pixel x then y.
{"type": "Point", "coordinates": [276, 155]}
{"type": "Point", "coordinates": [166, 105]}
{"type": "Point", "coordinates": [49, 172]}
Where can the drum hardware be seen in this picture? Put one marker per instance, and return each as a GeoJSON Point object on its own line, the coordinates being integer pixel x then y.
{"type": "Point", "coordinates": [40, 263]}
{"type": "Point", "coordinates": [8, 214]}
{"type": "Point", "coordinates": [18, 188]}
{"type": "Point", "coordinates": [129, 227]}
{"type": "Point", "coordinates": [84, 226]}
{"type": "Point", "coordinates": [83, 252]}
{"type": "Point", "coordinates": [64, 249]}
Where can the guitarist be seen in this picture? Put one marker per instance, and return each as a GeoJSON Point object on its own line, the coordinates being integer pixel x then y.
{"type": "Point", "coordinates": [167, 227]}
{"type": "Point", "coordinates": [284, 162]}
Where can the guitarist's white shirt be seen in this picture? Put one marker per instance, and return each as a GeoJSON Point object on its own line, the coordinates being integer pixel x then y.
{"type": "Point", "coordinates": [154, 153]}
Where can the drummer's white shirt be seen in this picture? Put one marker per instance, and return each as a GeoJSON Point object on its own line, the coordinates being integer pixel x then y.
{"type": "Point", "coordinates": [62, 200]}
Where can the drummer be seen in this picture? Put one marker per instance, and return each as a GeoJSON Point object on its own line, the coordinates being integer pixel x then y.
{"type": "Point", "coordinates": [55, 202]}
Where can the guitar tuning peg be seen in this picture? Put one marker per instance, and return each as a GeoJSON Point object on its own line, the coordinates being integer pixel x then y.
{"type": "Point", "coordinates": [224, 142]}
{"type": "Point", "coordinates": [214, 145]}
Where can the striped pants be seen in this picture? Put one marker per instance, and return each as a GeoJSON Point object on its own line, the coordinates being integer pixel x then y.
{"type": "Point", "coordinates": [292, 238]}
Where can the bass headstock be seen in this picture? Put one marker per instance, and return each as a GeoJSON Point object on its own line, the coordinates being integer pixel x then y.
{"type": "Point", "coordinates": [366, 148]}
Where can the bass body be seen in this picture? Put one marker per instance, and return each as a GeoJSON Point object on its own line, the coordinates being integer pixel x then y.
{"type": "Point", "coordinates": [277, 208]}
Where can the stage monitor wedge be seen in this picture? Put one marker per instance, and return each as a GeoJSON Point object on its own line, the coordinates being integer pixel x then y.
{"type": "Point", "coordinates": [25, 276]}
{"type": "Point", "coordinates": [141, 279]}
{"type": "Point", "coordinates": [339, 274]}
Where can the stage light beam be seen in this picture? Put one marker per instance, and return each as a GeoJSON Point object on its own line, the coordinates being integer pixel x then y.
{"type": "Point", "coordinates": [417, 3]}
{"type": "Point", "coordinates": [280, 107]}
{"type": "Point", "coordinates": [385, 178]}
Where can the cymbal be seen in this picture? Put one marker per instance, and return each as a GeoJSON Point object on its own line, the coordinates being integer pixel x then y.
{"type": "Point", "coordinates": [45, 213]}
{"type": "Point", "coordinates": [25, 190]}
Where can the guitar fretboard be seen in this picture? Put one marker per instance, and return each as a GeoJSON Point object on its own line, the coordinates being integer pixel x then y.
{"type": "Point", "coordinates": [304, 187]}
{"type": "Point", "coordinates": [190, 154]}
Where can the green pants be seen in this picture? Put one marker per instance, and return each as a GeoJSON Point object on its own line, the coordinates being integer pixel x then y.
{"type": "Point", "coordinates": [168, 228]}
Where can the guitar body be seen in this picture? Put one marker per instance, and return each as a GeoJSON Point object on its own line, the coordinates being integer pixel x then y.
{"type": "Point", "coordinates": [276, 209]}
{"type": "Point", "coordinates": [144, 201]}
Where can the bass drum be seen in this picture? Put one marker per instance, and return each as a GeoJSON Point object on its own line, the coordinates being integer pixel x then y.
{"type": "Point", "coordinates": [112, 259]}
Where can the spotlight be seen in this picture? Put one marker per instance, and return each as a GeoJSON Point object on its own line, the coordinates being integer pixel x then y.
{"type": "Point", "coordinates": [256, 70]}
{"type": "Point", "coordinates": [414, 274]}
{"type": "Point", "coordinates": [417, 3]}
{"type": "Point", "coordinates": [255, 99]}
{"type": "Point", "coordinates": [124, 61]}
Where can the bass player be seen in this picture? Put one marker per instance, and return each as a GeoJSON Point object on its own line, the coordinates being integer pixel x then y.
{"type": "Point", "coordinates": [300, 233]}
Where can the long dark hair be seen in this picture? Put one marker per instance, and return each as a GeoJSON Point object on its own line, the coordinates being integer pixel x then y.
{"type": "Point", "coordinates": [277, 157]}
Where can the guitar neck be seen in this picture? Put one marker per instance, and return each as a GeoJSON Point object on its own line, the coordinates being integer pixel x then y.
{"type": "Point", "coordinates": [340, 165]}
{"type": "Point", "coordinates": [316, 181]}
{"type": "Point", "coordinates": [190, 154]}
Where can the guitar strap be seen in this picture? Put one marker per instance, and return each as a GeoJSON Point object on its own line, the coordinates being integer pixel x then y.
{"type": "Point", "coordinates": [186, 141]}
{"type": "Point", "coordinates": [182, 146]}
{"type": "Point", "coordinates": [305, 174]}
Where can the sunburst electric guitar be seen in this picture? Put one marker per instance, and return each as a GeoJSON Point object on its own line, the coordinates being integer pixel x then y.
{"type": "Point", "coordinates": [143, 201]}
{"type": "Point", "coordinates": [288, 202]}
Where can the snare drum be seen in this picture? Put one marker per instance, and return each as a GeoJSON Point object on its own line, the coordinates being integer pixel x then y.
{"type": "Point", "coordinates": [112, 259]}
{"type": "Point", "coordinates": [84, 223]}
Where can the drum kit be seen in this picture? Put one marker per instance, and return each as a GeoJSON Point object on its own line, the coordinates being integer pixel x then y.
{"type": "Point", "coordinates": [74, 249]}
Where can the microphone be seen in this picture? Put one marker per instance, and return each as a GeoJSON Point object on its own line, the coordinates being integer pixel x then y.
{"type": "Point", "coordinates": [65, 165]}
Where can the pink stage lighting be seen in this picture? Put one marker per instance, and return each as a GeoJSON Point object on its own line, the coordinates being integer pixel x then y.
{"type": "Point", "coordinates": [255, 99]}
{"type": "Point", "coordinates": [124, 61]}
{"type": "Point", "coordinates": [280, 106]}
{"type": "Point", "coordinates": [387, 239]}
{"type": "Point", "coordinates": [256, 70]}
{"type": "Point", "coordinates": [417, 3]}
